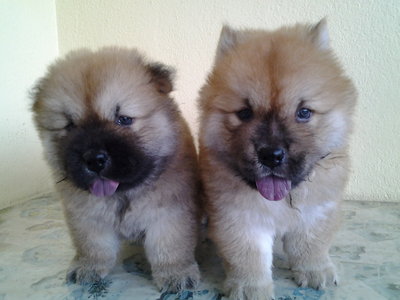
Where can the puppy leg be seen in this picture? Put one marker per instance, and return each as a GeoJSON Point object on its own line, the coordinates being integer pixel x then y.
{"type": "Point", "coordinates": [96, 252]}
{"type": "Point", "coordinates": [169, 244]}
{"type": "Point", "coordinates": [247, 253]}
{"type": "Point", "coordinates": [309, 259]}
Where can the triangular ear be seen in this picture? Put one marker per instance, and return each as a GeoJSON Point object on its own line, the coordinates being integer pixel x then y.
{"type": "Point", "coordinates": [320, 35]}
{"type": "Point", "coordinates": [36, 93]}
{"type": "Point", "coordinates": [227, 40]}
{"type": "Point", "coordinates": [161, 77]}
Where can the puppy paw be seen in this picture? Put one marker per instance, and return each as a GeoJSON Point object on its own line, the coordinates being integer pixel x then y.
{"type": "Point", "coordinates": [240, 291]}
{"type": "Point", "coordinates": [317, 278]}
{"type": "Point", "coordinates": [84, 275]}
{"type": "Point", "coordinates": [172, 279]}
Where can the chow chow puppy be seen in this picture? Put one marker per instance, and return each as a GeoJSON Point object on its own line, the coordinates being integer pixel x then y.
{"type": "Point", "coordinates": [124, 162]}
{"type": "Point", "coordinates": [275, 118]}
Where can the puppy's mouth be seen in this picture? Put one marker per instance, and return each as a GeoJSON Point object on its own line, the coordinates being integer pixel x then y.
{"type": "Point", "coordinates": [273, 188]}
{"type": "Point", "coordinates": [102, 187]}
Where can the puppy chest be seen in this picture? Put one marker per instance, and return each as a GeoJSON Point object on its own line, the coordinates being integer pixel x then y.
{"type": "Point", "coordinates": [311, 215]}
{"type": "Point", "coordinates": [132, 224]}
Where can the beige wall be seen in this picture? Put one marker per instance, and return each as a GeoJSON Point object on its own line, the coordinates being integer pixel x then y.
{"type": "Point", "coordinates": [365, 35]}
{"type": "Point", "coordinates": [28, 42]}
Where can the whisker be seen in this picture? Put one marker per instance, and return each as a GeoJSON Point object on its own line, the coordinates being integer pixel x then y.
{"type": "Point", "coordinates": [291, 203]}
{"type": "Point", "coordinates": [337, 156]}
{"type": "Point", "coordinates": [65, 178]}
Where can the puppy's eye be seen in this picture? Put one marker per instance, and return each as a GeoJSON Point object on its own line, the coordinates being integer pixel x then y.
{"type": "Point", "coordinates": [303, 115]}
{"type": "Point", "coordinates": [245, 114]}
{"type": "Point", "coordinates": [124, 121]}
{"type": "Point", "coordinates": [69, 126]}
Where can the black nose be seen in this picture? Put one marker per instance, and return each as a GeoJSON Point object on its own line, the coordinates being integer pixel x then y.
{"type": "Point", "coordinates": [95, 160]}
{"type": "Point", "coordinates": [271, 157]}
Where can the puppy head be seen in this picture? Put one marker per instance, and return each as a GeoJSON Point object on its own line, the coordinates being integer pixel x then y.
{"type": "Point", "coordinates": [105, 119]}
{"type": "Point", "coordinates": [275, 103]}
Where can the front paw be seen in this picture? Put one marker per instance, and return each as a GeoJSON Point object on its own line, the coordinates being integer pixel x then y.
{"type": "Point", "coordinates": [173, 279]}
{"type": "Point", "coordinates": [82, 274]}
{"type": "Point", "coordinates": [242, 291]}
{"type": "Point", "coordinates": [316, 277]}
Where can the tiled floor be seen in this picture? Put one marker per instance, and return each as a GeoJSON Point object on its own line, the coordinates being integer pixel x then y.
{"type": "Point", "coordinates": [35, 251]}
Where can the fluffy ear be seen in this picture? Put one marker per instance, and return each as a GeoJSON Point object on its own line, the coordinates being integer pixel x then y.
{"type": "Point", "coordinates": [161, 77]}
{"type": "Point", "coordinates": [36, 93]}
{"type": "Point", "coordinates": [227, 40]}
{"type": "Point", "coordinates": [320, 35]}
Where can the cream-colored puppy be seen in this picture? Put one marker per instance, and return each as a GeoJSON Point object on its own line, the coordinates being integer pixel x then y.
{"type": "Point", "coordinates": [124, 162]}
{"type": "Point", "coordinates": [275, 118]}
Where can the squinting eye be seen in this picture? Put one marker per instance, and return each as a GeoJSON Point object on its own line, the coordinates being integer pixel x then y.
{"type": "Point", "coordinates": [303, 115]}
{"type": "Point", "coordinates": [69, 126]}
{"type": "Point", "coordinates": [245, 114]}
{"type": "Point", "coordinates": [124, 121]}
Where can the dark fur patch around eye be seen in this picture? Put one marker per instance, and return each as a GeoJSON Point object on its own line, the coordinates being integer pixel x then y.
{"type": "Point", "coordinates": [161, 77]}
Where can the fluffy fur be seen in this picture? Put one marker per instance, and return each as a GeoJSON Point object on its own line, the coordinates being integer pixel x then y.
{"type": "Point", "coordinates": [124, 162]}
{"type": "Point", "coordinates": [275, 118]}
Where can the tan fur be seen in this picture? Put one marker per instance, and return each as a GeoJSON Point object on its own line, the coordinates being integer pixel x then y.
{"type": "Point", "coordinates": [274, 72]}
{"type": "Point", "coordinates": [162, 211]}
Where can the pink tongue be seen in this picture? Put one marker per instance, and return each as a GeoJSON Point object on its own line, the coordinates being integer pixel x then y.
{"type": "Point", "coordinates": [103, 187]}
{"type": "Point", "coordinates": [273, 188]}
